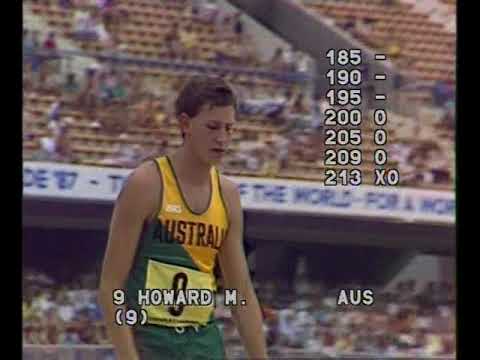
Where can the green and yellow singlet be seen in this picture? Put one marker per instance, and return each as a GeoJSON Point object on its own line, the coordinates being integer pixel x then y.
{"type": "Point", "coordinates": [178, 250]}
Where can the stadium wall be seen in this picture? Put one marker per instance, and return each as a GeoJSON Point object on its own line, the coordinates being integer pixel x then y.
{"type": "Point", "coordinates": [425, 269]}
{"type": "Point", "coordinates": [264, 40]}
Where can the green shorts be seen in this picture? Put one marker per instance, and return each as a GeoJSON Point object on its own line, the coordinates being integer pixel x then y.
{"type": "Point", "coordinates": [163, 342]}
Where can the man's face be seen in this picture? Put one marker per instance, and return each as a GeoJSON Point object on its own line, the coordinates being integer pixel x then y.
{"type": "Point", "coordinates": [210, 132]}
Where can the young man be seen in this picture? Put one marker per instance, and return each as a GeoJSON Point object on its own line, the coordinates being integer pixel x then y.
{"type": "Point", "coordinates": [174, 217]}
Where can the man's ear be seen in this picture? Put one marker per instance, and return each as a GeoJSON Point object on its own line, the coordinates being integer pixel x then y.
{"type": "Point", "coordinates": [184, 121]}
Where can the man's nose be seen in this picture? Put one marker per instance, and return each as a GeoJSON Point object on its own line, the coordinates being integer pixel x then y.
{"type": "Point", "coordinates": [223, 137]}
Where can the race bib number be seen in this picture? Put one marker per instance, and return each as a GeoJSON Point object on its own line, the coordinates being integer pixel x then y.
{"type": "Point", "coordinates": [177, 296]}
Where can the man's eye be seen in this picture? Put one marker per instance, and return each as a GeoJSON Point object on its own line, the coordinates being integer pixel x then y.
{"type": "Point", "coordinates": [212, 127]}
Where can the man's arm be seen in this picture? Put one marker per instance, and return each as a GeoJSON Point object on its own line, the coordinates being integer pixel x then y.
{"type": "Point", "coordinates": [235, 273]}
{"type": "Point", "coordinates": [135, 204]}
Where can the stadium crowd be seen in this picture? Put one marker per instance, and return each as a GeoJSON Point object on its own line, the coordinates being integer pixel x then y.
{"type": "Point", "coordinates": [407, 321]}
{"type": "Point", "coordinates": [114, 102]}
{"type": "Point", "coordinates": [404, 322]}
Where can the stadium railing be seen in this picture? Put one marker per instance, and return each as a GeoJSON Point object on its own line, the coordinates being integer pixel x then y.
{"type": "Point", "coordinates": [174, 64]}
{"type": "Point", "coordinates": [105, 352]}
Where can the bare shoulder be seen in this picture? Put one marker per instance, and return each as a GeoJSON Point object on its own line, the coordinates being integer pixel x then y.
{"type": "Point", "coordinates": [230, 194]}
{"type": "Point", "coordinates": [143, 187]}
{"type": "Point", "coordinates": [229, 188]}
{"type": "Point", "coordinates": [146, 173]}
{"type": "Point", "coordinates": [144, 177]}
{"type": "Point", "coordinates": [227, 184]}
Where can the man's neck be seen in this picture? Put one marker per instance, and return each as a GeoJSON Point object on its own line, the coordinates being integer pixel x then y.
{"type": "Point", "coordinates": [188, 167]}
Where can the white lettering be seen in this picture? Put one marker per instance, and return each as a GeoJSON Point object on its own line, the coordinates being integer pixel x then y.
{"type": "Point", "coordinates": [206, 297]}
{"type": "Point", "coordinates": [342, 298]}
{"type": "Point", "coordinates": [143, 297]}
{"type": "Point", "coordinates": [168, 297]}
{"type": "Point", "coordinates": [230, 297]}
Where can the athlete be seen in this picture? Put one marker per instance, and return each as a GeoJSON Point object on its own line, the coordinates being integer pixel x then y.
{"type": "Point", "coordinates": [174, 218]}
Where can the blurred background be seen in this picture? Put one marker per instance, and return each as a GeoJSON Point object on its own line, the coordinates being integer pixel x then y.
{"type": "Point", "coordinates": [99, 81]}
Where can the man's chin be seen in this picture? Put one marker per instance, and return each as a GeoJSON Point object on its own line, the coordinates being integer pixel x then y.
{"type": "Point", "coordinates": [211, 161]}
{"type": "Point", "coordinates": [215, 158]}
{"type": "Point", "coordinates": [214, 162]}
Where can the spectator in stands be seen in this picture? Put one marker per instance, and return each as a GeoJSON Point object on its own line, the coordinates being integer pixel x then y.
{"type": "Point", "coordinates": [285, 327]}
{"type": "Point", "coordinates": [52, 79]}
{"type": "Point", "coordinates": [369, 101]}
{"type": "Point", "coordinates": [162, 147]}
{"type": "Point", "coordinates": [277, 60]}
{"type": "Point", "coordinates": [65, 4]}
{"type": "Point", "coordinates": [100, 334]}
{"type": "Point", "coordinates": [53, 326]}
{"type": "Point", "coordinates": [125, 153]}
{"type": "Point", "coordinates": [66, 312]}
{"type": "Point", "coordinates": [36, 59]}
{"type": "Point", "coordinates": [108, 82]}
{"type": "Point", "coordinates": [271, 165]}
{"type": "Point", "coordinates": [145, 112]}
{"type": "Point", "coordinates": [84, 28]}
{"type": "Point", "coordinates": [208, 11]}
{"type": "Point", "coordinates": [238, 26]}
{"type": "Point", "coordinates": [71, 337]}
{"type": "Point", "coordinates": [107, 11]}
{"type": "Point", "coordinates": [302, 62]}
{"type": "Point", "coordinates": [282, 146]}
{"type": "Point", "coordinates": [27, 78]}
{"type": "Point", "coordinates": [299, 105]}
{"type": "Point", "coordinates": [172, 42]}
{"type": "Point", "coordinates": [289, 59]}
{"type": "Point", "coordinates": [43, 302]}
{"type": "Point", "coordinates": [389, 2]}
{"type": "Point", "coordinates": [63, 149]}
{"type": "Point", "coordinates": [55, 146]}
{"type": "Point", "coordinates": [53, 114]}
{"type": "Point", "coordinates": [33, 41]}
{"type": "Point", "coordinates": [363, 29]}
{"type": "Point", "coordinates": [349, 24]}
{"type": "Point", "coordinates": [71, 86]}
{"type": "Point", "coordinates": [100, 29]}
{"type": "Point", "coordinates": [344, 343]}
{"type": "Point", "coordinates": [50, 42]}
{"type": "Point", "coordinates": [318, 112]}
{"type": "Point", "coordinates": [187, 14]}
{"type": "Point", "coordinates": [28, 46]}
{"type": "Point", "coordinates": [448, 119]}
{"type": "Point", "coordinates": [106, 23]}
{"type": "Point", "coordinates": [400, 151]}
{"type": "Point", "coordinates": [196, 4]}
{"type": "Point", "coordinates": [393, 48]}
{"type": "Point", "coordinates": [428, 170]}
{"type": "Point", "coordinates": [120, 90]}
{"type": "Point", "coordinates": [188, 38]}
{"type": "Point", "coordinates": [272, 334]}
{"type": "Point", "coordinates": [38, 334]}
{"type": "Point", "coordinates": [442, 93]}
{"type": "Point", "coordinates": [254, 160]}
{"type": "Point", "coordinates": [439, 169]}
{"type": "Point", "coordinates": [87, 99]}
{"type": "Point", "coordinates": [223, 25]}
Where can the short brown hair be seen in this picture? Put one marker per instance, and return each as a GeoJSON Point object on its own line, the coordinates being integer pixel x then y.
{"type": "Point", "coordinates": [200, 91]}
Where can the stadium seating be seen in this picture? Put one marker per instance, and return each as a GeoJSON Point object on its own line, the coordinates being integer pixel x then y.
{"type": "Point", "coordinates": [425, 42]}
{"type": "Point", "coordinates": [92, 145]}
